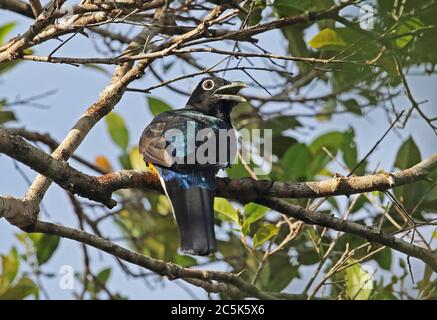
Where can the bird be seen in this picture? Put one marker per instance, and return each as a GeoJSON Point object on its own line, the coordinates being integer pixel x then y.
{"type": "Point", "coordinates": [186, 168]}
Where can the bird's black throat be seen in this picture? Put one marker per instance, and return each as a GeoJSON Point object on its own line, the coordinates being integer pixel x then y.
{"type": "Point", "coordinates": [219, 109]}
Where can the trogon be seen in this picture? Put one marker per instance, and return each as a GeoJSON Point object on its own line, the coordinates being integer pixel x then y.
{"type": "Point", "coordinates": [188, 147]}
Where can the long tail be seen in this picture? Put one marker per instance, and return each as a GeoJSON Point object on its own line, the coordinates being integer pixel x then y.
{"type": "Point", "coordinates": [192, 197]}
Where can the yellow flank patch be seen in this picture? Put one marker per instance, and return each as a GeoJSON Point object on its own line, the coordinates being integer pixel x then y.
{"type": "Point", "coordinates": [151, 167]}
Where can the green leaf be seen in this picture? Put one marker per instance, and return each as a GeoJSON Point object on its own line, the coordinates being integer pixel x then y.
{"type": "Point", "coordinates": [103, 276]}
{"type": "Point", "coordinates": [318, 165]}
{"type": "Point", "coordinates": [157, 106]}
{"type": "Point", "coordinates": [402, 264]}
{"type": "Point", "coordinates": [328, 108]}
{"type": "Point", "coordinates": [9, 270]}
{"type": "Point", "coordinates": [45, 247]}
{"type": "Point", "coordinates": [236, 171]}
{"type": "Point", "coordinates": [252, 212]}
{"type": "Point", "coordinates": [24, 288]}
{"type": "Point", "coordinates": [264, 233]}
{"type": "Point", "coordinates": [286, 8]}
{"type": "Point", "coordinates": [333, 202]}
{"type": "Point", "coordinates": [331, 140]}
{"type": "Point", "coordinates": [185, 261]}
{"type": "Point", "coordinates": [295, 161]}
{"type": "Point", "coordinates": [382, 292]}
{"type": "Point", "coordinates": [99, 282]}
{"type": "Point", "coordinates": [408, 26]}
{"type": "Point", "coordinates": [6, 116]}
{"type": "Point", "coordinates": [389, 64]}
{"type": "Point", "coordinates": [327, 38]}
{"type": "Point", "coordinates": [125, 161]}
{"type": "Point", "coordinates": [279, 124]}
{"type": "Point", "coordinates": [353, 106]}
{"type": "Point", "coordinates": [359, 204]}
{"type": "Point", "coordinates": [296, 44]}
{"type": "Point", "coordinates": [384, 258]}
{"type": "Point", "coordinates": [10, 264]}
{"type": "Point", "coordinates": [349, 149]}
{"type": "Point", "coordinates": [350, 154]}
{"type": "Point", "coordinates": [5, 30]}
{"type": "Point", "coordinates": [117, 130]}
{"type": "Point", "coordinates": [225, 208]}
{"type": "Point", "coordinates": [359, 283]}
{"type": "Point", "coordinates": [281, 145]}
{"type": "Point", "coordinates": [361, 169]}
{"type": "Point", "coordinates": [280, 273]}
{"type": "Point", "coordinates": [408, 155]}
{"type": "Point", "coordinates": [410, 195]}
{"type": "Point", "coordinates": [307, 256]}
{"type": "Point", "coordinates": [256, 13]}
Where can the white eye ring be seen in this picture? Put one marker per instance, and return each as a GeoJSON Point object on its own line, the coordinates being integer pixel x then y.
{"type": "Point", "coordinates": [208, 85]}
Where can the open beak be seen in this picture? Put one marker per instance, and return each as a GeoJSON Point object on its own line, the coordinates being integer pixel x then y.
{"type": "Point", "coordinates": [229, 91]}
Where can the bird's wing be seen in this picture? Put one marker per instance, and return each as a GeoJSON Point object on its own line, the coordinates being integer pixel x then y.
{"type": "Point", "coordinates": [153, 145]}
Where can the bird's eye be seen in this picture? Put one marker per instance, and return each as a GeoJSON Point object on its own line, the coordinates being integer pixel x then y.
{"type": "Point", "coordinates": [208, 85]}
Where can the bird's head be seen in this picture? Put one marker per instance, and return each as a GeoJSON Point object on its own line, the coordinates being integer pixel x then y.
{"type": "Point", "coordinates": [216, 96]}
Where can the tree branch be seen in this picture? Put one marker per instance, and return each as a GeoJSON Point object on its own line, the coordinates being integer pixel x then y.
{"type": "Point", "coordinates": [172, 271]}
{"type": "Point", "coordinates": [14, 209]}
{"type": "Point", "coordinates": [244, 190]}
{"type": "Point", "coordinates": [17, 6]}
{"type": "Point", "coordinates": [100, 188]}
{"type": "Point", "coordinates": [369, 233]}
{"type": "Point", "coordinates": [36, 7]}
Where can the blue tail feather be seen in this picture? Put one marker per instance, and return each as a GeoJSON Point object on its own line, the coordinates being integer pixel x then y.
{"type": "Point", "coordinates": [191, 194]}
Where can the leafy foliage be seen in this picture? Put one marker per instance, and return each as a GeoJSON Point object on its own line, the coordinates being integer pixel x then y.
{"type": "Point", "coordinates": [359, 283]}
{"type": "Point", "coordinates": [157, 106]}
{"type": "Point", "coordinates": [117, 130]}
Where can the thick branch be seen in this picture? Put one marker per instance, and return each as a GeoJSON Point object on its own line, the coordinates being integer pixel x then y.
{"type": "Point", "coordinates": [46, 139]}
{"type": "Point", "coordinates": [17, 6]}
{"type": "Point", "coordinates": [336, 186]}
{"type": "Point", "coordinates": [101, 188]}
{"type": "Point", "coordinates": [36, 7]}
{"type": "Point", "coordinates": [14, 209]}
{"type": "Point", "coordinates": [172, 271]}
